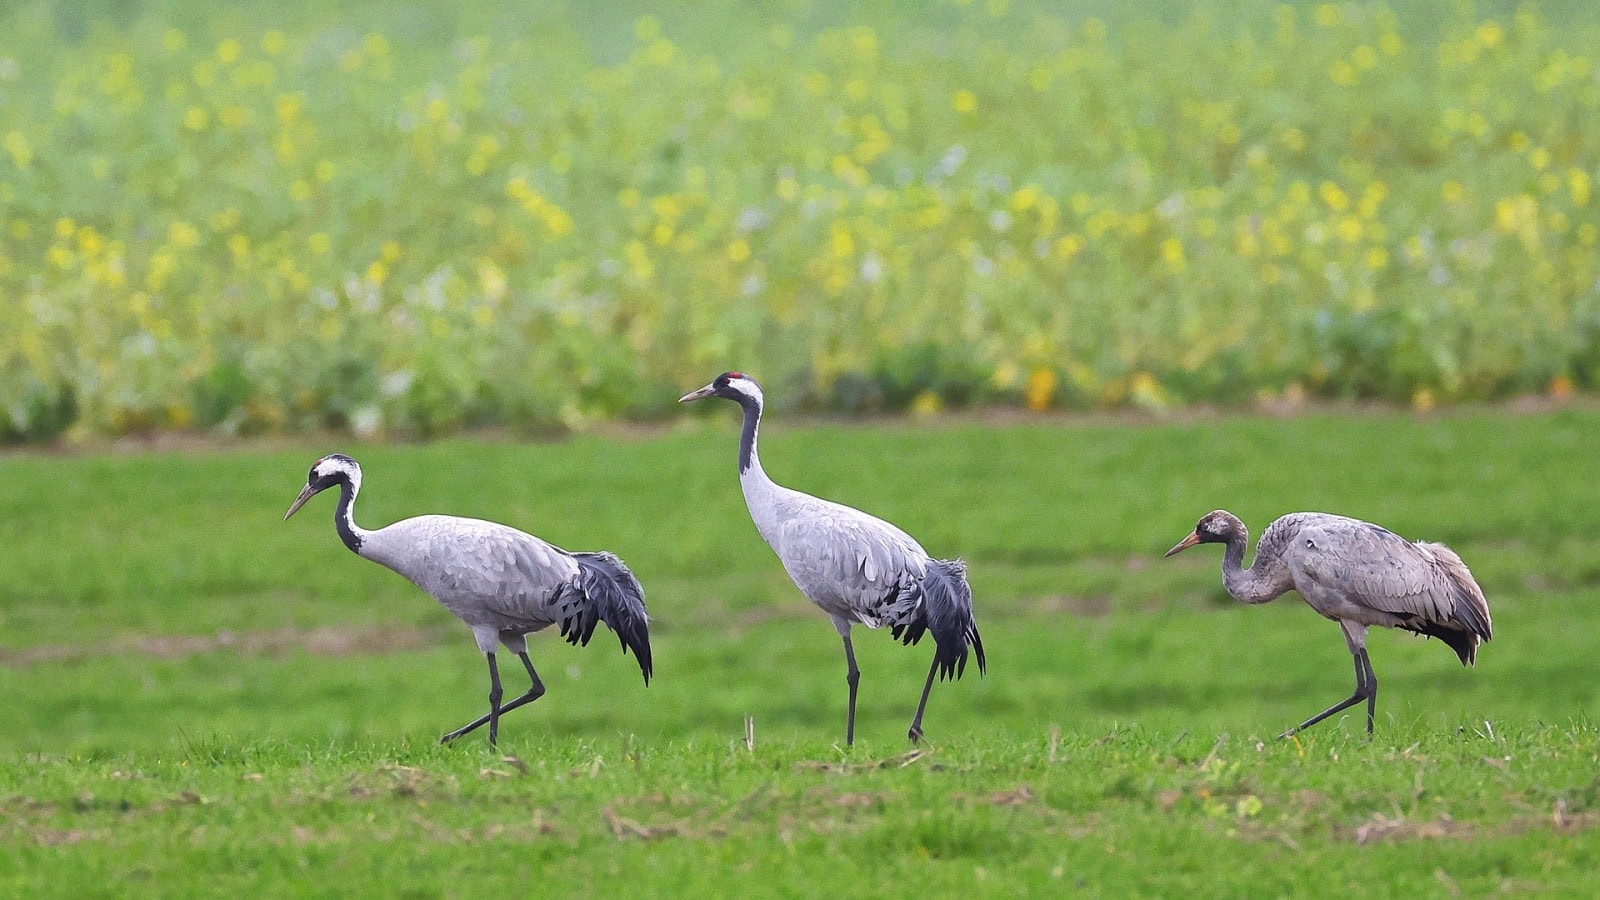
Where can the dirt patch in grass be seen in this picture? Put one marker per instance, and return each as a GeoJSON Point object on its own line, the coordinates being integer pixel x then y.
{"type": "Point", "coordinates": [1381, 828]}
{"type": "Point", "coordinates": [326, 640]}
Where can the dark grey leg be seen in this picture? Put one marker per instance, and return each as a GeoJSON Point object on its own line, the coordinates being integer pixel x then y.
{"type": "Point", "coordinates": [494, 700]}
{"type": "Point", "coordinates": [534, 693]}
{"type": "Point", "coordinates": [853, 678]}
{"type": "Point", "coordinates": [1372, 689]}
{"type": "Point", "coordinates": [915, 734]}
{"type": "Point", "coordinates": [1360, 695]}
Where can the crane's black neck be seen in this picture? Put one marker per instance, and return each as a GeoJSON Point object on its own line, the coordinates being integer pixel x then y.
{"type": "Point", "coordinates": [344, 516]}
{"type": "Point", "coordinates": [747, 434]}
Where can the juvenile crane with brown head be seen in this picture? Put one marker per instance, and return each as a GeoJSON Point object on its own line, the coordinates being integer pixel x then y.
{"type": "Point", "coordinates": [1357, 574]}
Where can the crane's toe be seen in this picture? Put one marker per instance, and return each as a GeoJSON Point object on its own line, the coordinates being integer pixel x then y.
{"type": "Point", "coordinates": [915, 734]}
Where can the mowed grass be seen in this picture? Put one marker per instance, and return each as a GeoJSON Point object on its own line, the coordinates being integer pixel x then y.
{"type": "Point", "coordinates": [201, 698]}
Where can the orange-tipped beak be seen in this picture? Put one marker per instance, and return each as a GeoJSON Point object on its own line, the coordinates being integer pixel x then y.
{"type": "Point", "coordinates": [1186, 543]}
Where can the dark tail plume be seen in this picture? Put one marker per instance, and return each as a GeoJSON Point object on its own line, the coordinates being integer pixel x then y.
{"type": "Point", "coordinates": [615, 598]}
{"type": "Point", "coordinates": [1467, 619]}
{"type": "Point", "coordinates": [947, 612]}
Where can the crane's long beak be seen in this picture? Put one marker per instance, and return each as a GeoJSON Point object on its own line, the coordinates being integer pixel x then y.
{"type": "Point", "coordinates": [706, 391]}
{"type": "Point", "coordinates": [306, 493]}
{"type": "Point", "coordinates": [1186, 543]}
{"type": "Point", "coordinates": [1183, 545]}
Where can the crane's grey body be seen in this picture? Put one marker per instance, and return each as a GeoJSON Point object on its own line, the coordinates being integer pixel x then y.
{"type": "Point", "coordinates": [503, 583]}
{"type": "Point", "coordinates": [855, 567]}
{"type": "Point", "coordinates": [1359, 575]}
{"type": "Point", "coordinates": [852, 565]}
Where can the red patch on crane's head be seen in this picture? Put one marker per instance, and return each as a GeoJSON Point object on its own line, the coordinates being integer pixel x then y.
{"type": "Point", "coordinates": [735, 374]}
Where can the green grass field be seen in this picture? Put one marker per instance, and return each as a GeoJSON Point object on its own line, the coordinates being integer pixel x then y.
{"type": "Point", "coordinates": [200, 698]}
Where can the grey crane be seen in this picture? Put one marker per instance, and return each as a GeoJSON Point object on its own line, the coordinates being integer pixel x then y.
{"type": "Point", "coordinates": [857, 568]}
{"type": "Point", "coordinates": [1357, 574]}
{"type": "Point", "coordinates": [503, 583]}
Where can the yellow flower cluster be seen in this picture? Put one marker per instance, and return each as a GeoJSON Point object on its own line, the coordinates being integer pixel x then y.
{"type": "Point", "coordinates": [308, 227]}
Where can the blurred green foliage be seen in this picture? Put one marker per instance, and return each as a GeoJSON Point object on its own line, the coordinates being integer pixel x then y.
{"type": "Point", "coordinates": [254, 218]}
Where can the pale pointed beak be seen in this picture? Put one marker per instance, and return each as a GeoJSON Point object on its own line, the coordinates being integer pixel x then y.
{"type": "Point", "coordinates": [706, 391]}
{"type": "Point", "coordinates": [1186, 543]}
{"type": "Point", "coordinates": [306, 493]}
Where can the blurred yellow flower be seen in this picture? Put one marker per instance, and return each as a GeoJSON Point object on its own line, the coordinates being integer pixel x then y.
{"type": "Point", "coordinates": [964, 101]}
{"type": "Point", "coordinates": [1005, 376]}
{"type": "Point", "coordinates": [1041, 389]}
{"type": "Point", "coordinates": [375, 45]}
{"type": "Point", "coordinates": [926, 403]}
{"type": "Point", "coordinates": [174, 40]}
{"type": "Point", "coordinates": [739, 251]}
{"type": "Point", "coordinates": [1452, 191]}
{"type": "Point", "coordinates": [841, 243]}
{"type": "Point", "coordinates": [1327, 15]}
{"type": "Point", "coordinates": [557, 222]}
{"type": "Point", "coordinates": [196, 119]}
{"type": "Point", "coordinates": [182, 234]}
{"type": "Point", "coordinates": [228, 51]}
{"type": "Point", "coordinates": [274, 42]}
{"type": "Point", "coordinates": [325, 170]}
{"type": "Point", "coordinates": [1490, 33]}
{"type": "Point", "coordinates": [1172, 254]}
{"type": "Point", "coordinates": [1334, 196]}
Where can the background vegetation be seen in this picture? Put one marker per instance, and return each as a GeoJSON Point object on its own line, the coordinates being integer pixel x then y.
{"type": "Point", "coordinates": [201, 698]}
{"type": "Point", "coordinates": [414, 219]}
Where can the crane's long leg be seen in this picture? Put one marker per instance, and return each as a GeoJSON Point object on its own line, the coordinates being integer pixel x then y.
{"type": "Point", "coordinates": [494, 699]}
{"type": "Point", "coordinates": [915, 734]}
{"type": "Point", "coordinates": [534, 693]}
{"type": "Point", "coordinates": [1363, 692]}
{"type": "Point", "coordinates": [1372, 689]}
{"type": "Point", "coordinates": [852, 677]}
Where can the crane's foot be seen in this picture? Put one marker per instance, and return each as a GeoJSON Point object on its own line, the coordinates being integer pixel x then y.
{"type": "Point", "coordinates": [915, 734]}
{"type": "Point", "coordinates": [1288, 734]}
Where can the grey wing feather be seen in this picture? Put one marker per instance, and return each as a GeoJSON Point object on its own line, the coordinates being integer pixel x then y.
{"type": "Point", "coordinates": [852, 564]}
{"type": "Point", "coordinates": [1424, 586]}
{"type": "Point", "coordinates": [475, 567]}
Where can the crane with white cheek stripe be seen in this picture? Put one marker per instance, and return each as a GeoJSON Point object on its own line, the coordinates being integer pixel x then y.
{"type": "Point", "coordinates": [856, 567]}
{"type": "Point", "coordinates": [503, 583]}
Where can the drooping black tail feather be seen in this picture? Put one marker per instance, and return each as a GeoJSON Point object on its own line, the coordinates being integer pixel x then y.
{"type": "Point", "coordinates": [615, 598]}
{"type": "Point", "coordinates": [947, 612]}
{"type": "Point", "coordinates": [1464, 643]}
